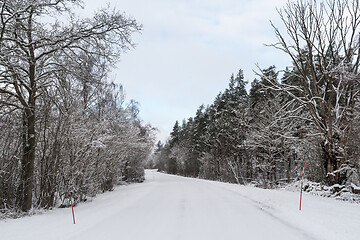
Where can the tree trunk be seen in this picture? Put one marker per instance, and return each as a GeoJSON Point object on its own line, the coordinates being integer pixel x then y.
{"type": "Point", "coordinates": [28, 157]}
{"type": "Point", "coordinates": [287, 162]}
{"type": "Point", "coordinates": [330, 163]}
{"type": "Point", "coordinates": [27, 162]}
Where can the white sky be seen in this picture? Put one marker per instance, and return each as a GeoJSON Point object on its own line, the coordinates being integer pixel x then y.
{"type": "Point", "coordinates": [188, 50]}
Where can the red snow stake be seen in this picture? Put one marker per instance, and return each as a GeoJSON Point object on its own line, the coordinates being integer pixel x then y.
{"type": "Point", "coordinates": [72, 208]}
{"type": "Point", "coordinates": [302, 179]}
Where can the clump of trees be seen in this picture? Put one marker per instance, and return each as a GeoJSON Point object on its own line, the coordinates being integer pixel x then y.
{"type": "Point", "coordinates": [308, 114]}
{"type": "Point", "coordinates": [66, 130]}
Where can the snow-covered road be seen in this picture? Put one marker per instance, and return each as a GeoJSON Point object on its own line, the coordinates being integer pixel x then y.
{"type": "Point", "coordinates": [172, 207]}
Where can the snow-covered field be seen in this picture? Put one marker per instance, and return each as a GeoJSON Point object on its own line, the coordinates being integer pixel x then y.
{"type": "Point", "coordinates": [172, 207]}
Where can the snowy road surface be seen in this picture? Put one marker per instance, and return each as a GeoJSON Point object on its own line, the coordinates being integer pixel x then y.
{"type": "Point", "coordinates": [174, 208]}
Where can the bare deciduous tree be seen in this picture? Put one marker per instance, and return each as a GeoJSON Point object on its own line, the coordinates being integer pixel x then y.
{"type": "Point", "coordinates": [322, 40]}
{"type": "Point", "coordinates": [30, 53]}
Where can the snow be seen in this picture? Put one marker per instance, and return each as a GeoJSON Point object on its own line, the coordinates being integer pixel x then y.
{"type": "Point", "coordinates": [172, 207]}
{"type": "Point", "coordinates": [339, 192]}
{"type": "Point", "coordinates": [355, 187]}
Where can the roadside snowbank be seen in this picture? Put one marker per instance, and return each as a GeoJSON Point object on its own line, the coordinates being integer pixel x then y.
{"type": "Point", "coordinates": [320, 217]}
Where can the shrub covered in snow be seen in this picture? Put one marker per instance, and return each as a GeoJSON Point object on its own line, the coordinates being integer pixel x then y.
{"type": "Point", "coordinates": [341, 192]}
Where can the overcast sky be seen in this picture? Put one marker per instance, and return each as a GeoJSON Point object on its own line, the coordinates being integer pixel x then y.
{"type": "Point", "coordinates": [188, 50]}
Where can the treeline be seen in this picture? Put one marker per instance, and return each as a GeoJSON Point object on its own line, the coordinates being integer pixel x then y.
{"type": "Point", "coordinates": [240, 138]}
{"type": "Point", "coordinates": [66, 130]}
{"type": "Point", "coordinates": [262, 138]}
{"type": "Point", "coordinates": [310, 113]}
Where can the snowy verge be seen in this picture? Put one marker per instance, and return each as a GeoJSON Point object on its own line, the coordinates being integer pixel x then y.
{"type": "Point", "coordinates": [320, 217]}
{"type": "Point", "coordinates": [11, 213]}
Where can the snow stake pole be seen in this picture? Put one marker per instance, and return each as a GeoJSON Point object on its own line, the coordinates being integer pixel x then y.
{"type": "Point", "coordinates": [72, 208]}
{"type": "Point", "coordinates": [302, 180]}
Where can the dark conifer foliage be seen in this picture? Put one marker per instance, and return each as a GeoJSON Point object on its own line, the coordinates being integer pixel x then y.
{"type": "Point", "coordinates": [262, 137]}
{"type": "Point", "coordinates": [310, 114]}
